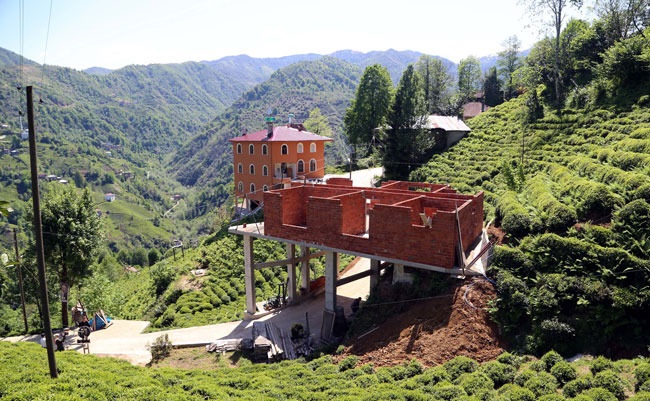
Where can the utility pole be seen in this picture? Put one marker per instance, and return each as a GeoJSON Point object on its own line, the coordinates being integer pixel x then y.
{"type": "Point", "coordinates": [38, 235]}
{"type": "Point", "coordinates": [20, 282]}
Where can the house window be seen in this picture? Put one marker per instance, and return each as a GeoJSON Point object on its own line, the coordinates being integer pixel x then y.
{"type": "Point", "coordinates": [312, 165]}
{"type": "Point", "coordinates": [240, 168]}
{"type": "Point", "coordinates": [312, 147]}
{"type": "Point", "coordinates": [265, 150]}
{"type": "Point", "coordinates": [251, 149]}
{"type": "Point", "coordinates": [265, 170]}
{"type": "Point", "coordinates": [251, 168]}
{"type": "Point", "coordinates": [301, 166]}
{"type": "Point", "coordinates": [266, 188]}
{"type": "Point", "coordinates": [252, 188]}
{"type": "Point", "coordinates": [300, 149]}
{"type": "Point", "coordinates": [239, 148]}
{"type": "Point", "coordinates": [240, 186]}
{"type": "Point", "coordinates": [285, 149]}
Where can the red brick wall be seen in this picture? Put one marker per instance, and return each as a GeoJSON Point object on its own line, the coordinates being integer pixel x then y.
{"type": "Point", "coordinates": [340, 181]}
{"type": "Point", "coordinates": [335, 217]}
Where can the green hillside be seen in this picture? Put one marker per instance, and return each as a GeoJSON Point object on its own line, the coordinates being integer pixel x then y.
{"type": "Point", "coordinates": [508, 378]}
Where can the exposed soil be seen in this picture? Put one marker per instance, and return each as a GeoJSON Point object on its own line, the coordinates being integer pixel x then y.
{"type": "Point", "coordinates": [434, 331]}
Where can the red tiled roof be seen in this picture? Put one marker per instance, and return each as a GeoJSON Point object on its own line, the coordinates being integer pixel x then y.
{"type": "Point", "coordinates": [281, 133]}
{"type": "Point", "coordinates": [473, 109]}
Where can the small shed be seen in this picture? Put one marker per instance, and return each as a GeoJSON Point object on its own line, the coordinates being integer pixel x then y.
{"type": "Point", "coordinates": [109, 197]}
{"type": "Point", "coordinates": [453, 128]}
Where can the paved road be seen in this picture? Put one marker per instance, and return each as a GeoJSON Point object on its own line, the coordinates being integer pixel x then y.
{"type": "Point", "coordinates": [125, 338]}
{"type": "Point", "coordinates": [361, 178]}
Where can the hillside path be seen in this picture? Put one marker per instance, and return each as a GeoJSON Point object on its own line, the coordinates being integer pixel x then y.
{"type": "Point", "coordinates": [125, 338]}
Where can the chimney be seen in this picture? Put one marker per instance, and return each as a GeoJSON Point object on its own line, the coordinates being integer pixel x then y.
{"type": "Point", "coordinates": [290, 118]}
{"type": "Point", "coordinates": [269, 126]}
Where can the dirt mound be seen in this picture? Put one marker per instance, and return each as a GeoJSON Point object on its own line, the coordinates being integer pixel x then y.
{"type": "Point", "coordinates": [435, 330]}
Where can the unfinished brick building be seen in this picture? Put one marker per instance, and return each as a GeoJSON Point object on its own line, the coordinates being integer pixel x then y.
{"type": "Point", "coordinates": [407, 224]}
{"type": "Point", "coordinates": [415, 222]}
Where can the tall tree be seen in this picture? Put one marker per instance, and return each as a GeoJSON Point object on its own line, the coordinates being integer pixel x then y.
{"type": "Point", "coordinates": [370, 107]}
{"type": "Point", "coordinates": [72, 234]}
{"type": "Point", "coordinates": [557, 10]}
{"type": "Point", "coordinates": [436, 82]}
{"type": "Point", "coordinates": [622, 18]}
{"type": "Point", "coordinates": [508, 62]}
{"type": "Point", "coordinates": [317, 123]}
{"type": "Point", "coordinates": [492, 88]}
{"type": "Point", "coordinates": [469, 77]}
{"type": "Point", "coordinates": [407, 116]}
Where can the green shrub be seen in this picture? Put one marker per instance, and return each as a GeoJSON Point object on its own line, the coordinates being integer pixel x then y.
{"type": "Point", "coordinates": [599, 394]}
{"type": "Point", "coordinates": [349, 362]}
{"type": "Point", "coordinates": [522, 377]}
{"type": "Point", "coordinates": [645, 387]}
{"type": "Point", "coordinates": [499, 373]}
{"type": "Point", "coordinates": [640, 396]}
{"type": "Point", "coordinates": [366, 381]}
{"type": "Point", "coordinates": [576, 386]}
{"type": "Point", "coordinates": [459, 365]}
{"type": "Point", "coordinates": [551, 397]}
{"type": "Point", "coordinates": [512, 392]}
{"type": "Point", "coordinates": [541, 384]}
{"type": "Point", "coordinates": [429, 377]}
{"type": "Point", "coordinates": [510, 359]}
{"type": "Point", "coordinates": [642, 374]}
{"type": "Point", "coordinates": [599, 364]}
{"type": "Point", "coordinates": [609, 380]}
{"type": "Point", "coordinates": [550, 359]}
{"type": "Point", "coordinates": [160, 348]}
{"type": "Point", "coordinates": [472, 383]}
{"type": "Point", "coordinates": [564, 372]}
{"type": "Point", "coordinates": [446, 391]}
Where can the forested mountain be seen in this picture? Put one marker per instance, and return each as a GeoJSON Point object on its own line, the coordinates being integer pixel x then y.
{"type": "Point", "coordinates": [327, 83]}
{"type": "Point", "coordinates": [122, 131]}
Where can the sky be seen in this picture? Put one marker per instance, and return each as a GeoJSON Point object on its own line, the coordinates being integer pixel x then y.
{"type": "Point", "coordinates": [116, 33]}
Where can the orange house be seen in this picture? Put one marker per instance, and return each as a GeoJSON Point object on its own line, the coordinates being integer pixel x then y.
{"type": "Point", "coordinates": [273, 157]}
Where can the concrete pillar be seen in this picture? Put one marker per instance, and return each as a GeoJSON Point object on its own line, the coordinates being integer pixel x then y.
{"type": "Point", "coordinates": [374, 274]}
{"type": "Point", "coordinates": [304, 271]}
{"type": "Point", "coordinates": [331, 272]}
{"type": "Point", "coordinates": [291, 273]}
{"type": "Point", "coordinates": [399, 276]}
{"type": "Point", "coordinates": [249, 276]}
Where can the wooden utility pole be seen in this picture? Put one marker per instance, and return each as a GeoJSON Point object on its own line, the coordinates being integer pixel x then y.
{"type": "Point", "coordinates": [38, 235]}
{"type": "Point", "coordinates": [20, 282]}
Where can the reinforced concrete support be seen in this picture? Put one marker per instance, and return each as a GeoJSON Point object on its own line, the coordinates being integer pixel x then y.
{"type": "Point", "coordinates": [291, 272]}
{"type": "Point", "coordinates": [249, 275]}
{"type": "Point", "coordinates": [304, 271]}
{"type": "Point", "coordinates": [374, 274]}
{"type": "Point", "coordinates": [331, 271]}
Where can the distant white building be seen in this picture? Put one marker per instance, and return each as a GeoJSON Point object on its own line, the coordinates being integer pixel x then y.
{"type": "Point", "coordinates": [109, 197]}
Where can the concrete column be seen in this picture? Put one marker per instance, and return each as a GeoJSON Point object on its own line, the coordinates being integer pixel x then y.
{"type": "Point", "coordinates": [331, 271]}
{"type": "Point", "coordinates": [400, 276]}
{"type": "Point", "coordinates": [304, 271]}
{"type": "Point", "coordinates": [249, 275]}
{"type": "Point", "coordinates": [291, 273]}
{"type": "Point", "coordinates": [374, 274]}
